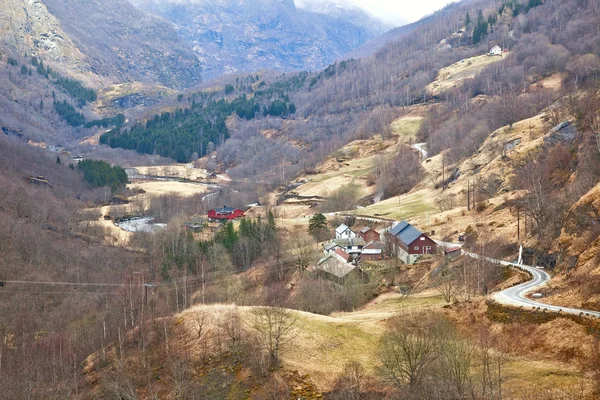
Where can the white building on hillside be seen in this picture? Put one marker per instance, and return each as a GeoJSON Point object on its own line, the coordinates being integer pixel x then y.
{"type": "Point", "coordinates": [495, 51]}
{"type": "Point", "coordinates": [343, 232]}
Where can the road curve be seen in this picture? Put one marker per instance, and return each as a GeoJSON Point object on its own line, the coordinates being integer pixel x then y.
{"type": "Point", "coordinates": [515, 296]}
{"type": "Point", "coordinates": [420, 147]}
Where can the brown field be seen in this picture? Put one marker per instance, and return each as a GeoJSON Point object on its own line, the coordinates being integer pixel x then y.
{"type": "Point", "coordinates": [157, 188]}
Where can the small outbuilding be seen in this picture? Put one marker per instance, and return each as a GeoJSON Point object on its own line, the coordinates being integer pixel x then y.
{"type": "Point", "coordinates": [452, 252]}
{"type": "Point", "coordinates": [335, 268]}
{"type": "Point", "coordinates": [372, 252]}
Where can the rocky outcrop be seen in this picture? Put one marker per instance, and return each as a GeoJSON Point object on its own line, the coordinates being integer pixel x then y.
{"type": "Point", "coordinates": [108, 41]}
{"type": "Point", "coordinates": [579, 241]}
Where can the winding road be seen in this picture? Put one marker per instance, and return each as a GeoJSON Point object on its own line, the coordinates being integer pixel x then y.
{"type": "Point", "coordinates": [515, 296]}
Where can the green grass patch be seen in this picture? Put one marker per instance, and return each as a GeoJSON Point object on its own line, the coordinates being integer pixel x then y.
{"type": "Point", "coordinates": [406, 127]}
{"type": "Point", "coordinates": [408, 206]}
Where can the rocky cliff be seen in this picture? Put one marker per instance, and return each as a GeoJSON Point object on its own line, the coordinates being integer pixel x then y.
{"type": "Point", "coordinates": [109, 41]}
{"type": "Point", "coordinates": [240, 36]}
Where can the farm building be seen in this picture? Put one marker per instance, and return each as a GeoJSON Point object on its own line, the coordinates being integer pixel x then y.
{"type": "Point", "coordinates": [351, 246]}
{"type": "Point", "coordinates": [409, 243]}
{"type": "Point", "coordinates": [369, 235]}
{"type": "Point", "coordinates": [372, 252]}
{"type": "Point", "coordinates": [119, 200]}
{"type": "Point", "coordinates": [495, 51]}
{"type": "Point", "coordinates": [226, 214]}
{"type": "Point", "coordinates": [335, 268]}
{"type": "Point", "coordinates": [329, 247]}
{"type": "Point", "coordinates": [452, 252]}
{"type": "Point", "coordinates": [343, 232]}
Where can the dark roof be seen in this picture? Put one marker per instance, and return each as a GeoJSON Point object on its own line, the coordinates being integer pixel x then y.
{"type": "Point", "coordinates": [405, 232]}
{"type": "Point", "coordinates": [225, 210]}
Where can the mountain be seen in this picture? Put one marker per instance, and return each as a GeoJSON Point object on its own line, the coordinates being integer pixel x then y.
{"type": "Point", "coordinates": [109, 41]}
{"type": "Point", "coordinates": [238, 36]}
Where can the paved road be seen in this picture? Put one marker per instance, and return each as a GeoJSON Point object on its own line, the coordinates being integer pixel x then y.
{"type": "Point", "coordinates": [421, 147]}
{"type": "Point", "coordinates": [515, 296]}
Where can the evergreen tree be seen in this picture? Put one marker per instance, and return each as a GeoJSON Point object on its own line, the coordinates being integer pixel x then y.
{"type": "Point", "coordinates": [317, 225]}
{"type": "Point", "coordinates": [58, 160]}
{"type": "Point", "coordinates": [292, 108]}
{"type": "Point", "coordinates": [271, 220]}
{"type": "Point", "coordinates": [467, 20]}
{"type": "Point", "coordinates": [481, 28]}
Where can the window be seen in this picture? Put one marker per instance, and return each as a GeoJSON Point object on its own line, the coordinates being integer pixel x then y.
{"type": "Point", "coordinates": [422, 238]}
{"type": "Point", "coordinates": [416, 247]}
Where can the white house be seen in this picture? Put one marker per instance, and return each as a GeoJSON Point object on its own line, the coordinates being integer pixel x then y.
{"type": "Point", "coordinates": [343, 232]}
{"type": "Point", "coordinates": [495, 51]}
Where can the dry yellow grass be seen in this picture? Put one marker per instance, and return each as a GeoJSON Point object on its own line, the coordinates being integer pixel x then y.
{"type": "Point", "coordinates": [407, 127]}
{"type": "Point", "coordinates": [450, 76]}
{"type": "Point", "coordinates": [157, 188]}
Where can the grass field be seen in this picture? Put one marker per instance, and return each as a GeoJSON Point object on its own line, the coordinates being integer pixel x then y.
{"type": "Point", "coordinates": [157, 188]}
{"type": "Point", "coordinates": [407, 127]}
{"type": "Point", "coordinates": [468, 68]}
{"type": "Point", "coordinates": [403, 207]}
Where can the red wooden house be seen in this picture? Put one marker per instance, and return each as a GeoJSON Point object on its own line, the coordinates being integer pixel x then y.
{"type": "Point", "coordinates": [369, 234]}
{"type": "Point", "coordinates": [410, 243]}
{"type": "Point", "coordinates": [226, 213]}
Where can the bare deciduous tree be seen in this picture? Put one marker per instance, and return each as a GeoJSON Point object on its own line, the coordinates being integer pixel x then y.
{"type": "Point", "coordinates": [275, 328]}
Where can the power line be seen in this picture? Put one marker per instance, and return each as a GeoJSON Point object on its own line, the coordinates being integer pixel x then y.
{"type": "Point", "coordinates": [44, 292]}
{"type": "Point", "coordinates": [75, 283]}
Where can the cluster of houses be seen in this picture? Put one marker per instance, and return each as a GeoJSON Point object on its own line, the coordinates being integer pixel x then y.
{"type": "Point", "coordinates": [345, 254]}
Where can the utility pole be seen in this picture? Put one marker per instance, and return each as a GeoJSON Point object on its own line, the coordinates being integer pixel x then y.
{"type": "Point", "coordinates": [469, 194]}
{"type": "Point", "coordinates": [518, 223]}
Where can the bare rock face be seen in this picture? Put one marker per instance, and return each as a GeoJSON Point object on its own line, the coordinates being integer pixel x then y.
{"type": "Point", "coordinates": [121, 40]}
{"type": "Point", "coordinates": [244, 36]}
{"type": "Point", "coordinates": [109, 39]}
{"type": "Point", "coordinates": [26, 26]}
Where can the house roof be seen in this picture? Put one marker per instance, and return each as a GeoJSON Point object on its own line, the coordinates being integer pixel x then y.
{"type": "Point", "coordinates": [357, 241]}
{"type": "Point", "coordinates": [331, 246]}
{"type": "Point", "coordinates": [374, 245]}
{"type": "Point", "coordinates": [341, 229]}
{"type": "Point", "coordinates": [395, 230]}
{"type": "Point", "coordinates": [365, 229]}
{"type": "Point", "coordinates": [342, 254]}
{"type": "Point", "coordinates": [452, 249]}
{"type": "Point", "coordinates": [335, 265]}
{"type": "Point", "coordinates": [372, 251]}
{"type": "Point", "coordinates": [225, 210]}
{"type": "Point", "coordinates": [405, 232]}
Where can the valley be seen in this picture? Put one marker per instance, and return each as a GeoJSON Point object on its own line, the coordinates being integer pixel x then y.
{"type": "Point", "coordinates": [223, 200]}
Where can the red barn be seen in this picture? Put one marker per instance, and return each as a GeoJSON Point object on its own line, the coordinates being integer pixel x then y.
{"type": "Point", "coordinates": [225, 213]}
{"type": "Point", "coordinates": [369, 234]}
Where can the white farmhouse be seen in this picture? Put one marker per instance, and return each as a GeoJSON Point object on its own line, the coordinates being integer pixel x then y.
{"type": "Point", "coordinates": [343, 232]}
{"type": "Point", "coordinates": [495, 51]}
